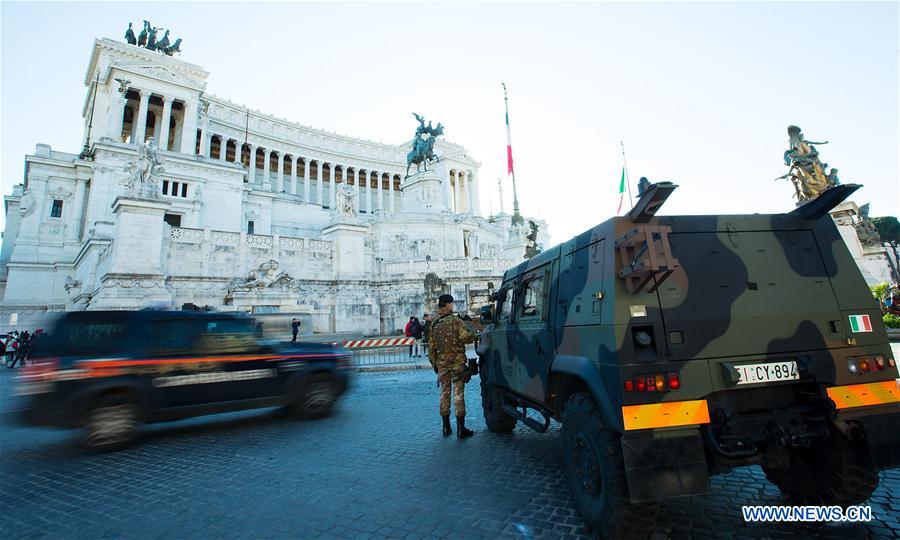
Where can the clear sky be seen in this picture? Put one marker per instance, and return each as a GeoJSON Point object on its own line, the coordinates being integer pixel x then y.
{"type": "Point", "coordinates": [701, 93]}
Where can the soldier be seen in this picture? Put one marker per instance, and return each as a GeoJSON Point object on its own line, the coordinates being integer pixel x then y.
{"type": "Point", "coordinates": [447, 353]}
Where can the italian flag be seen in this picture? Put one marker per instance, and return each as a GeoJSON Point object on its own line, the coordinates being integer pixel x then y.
{"type": "Point", "coordinates": [509, 161]}
{"type": "Point", "coordinates": [621, 191]}
{"type": "Point", "coordinates": [860, 323]}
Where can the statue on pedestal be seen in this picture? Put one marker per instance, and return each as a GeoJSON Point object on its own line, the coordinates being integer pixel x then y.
{"type": "Point", "coordinates": [144, 171]}
{"type": "Point", "coordinates": [532, 248]}
{"type": "Point", "coordinates": [865, 229]}
{"type": "Point", "coordinates": [346, 200]}
{"type": "Point", "coordinates": [806, 170]}
{"type": "Point", "coordinates": [423, 148]}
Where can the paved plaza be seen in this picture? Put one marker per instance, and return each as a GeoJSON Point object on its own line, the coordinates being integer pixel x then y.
{"type": "Point", "coordinates": [378, 468]}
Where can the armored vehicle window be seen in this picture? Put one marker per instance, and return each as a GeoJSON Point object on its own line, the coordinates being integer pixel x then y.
{"type": "Point", "coordinates": [506, 303]}
{"type": "Point", "coordinates": [533, 301]}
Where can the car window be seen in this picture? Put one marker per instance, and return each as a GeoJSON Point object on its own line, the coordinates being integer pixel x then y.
{"type": "Point", "coordinates": [533, 299]}
{"type": "Point", "coordinates": [227, 336]}
{"type": "Point", "coordinates": [171, 337]}
{"type": "Point", "coordinates": [88, 338]}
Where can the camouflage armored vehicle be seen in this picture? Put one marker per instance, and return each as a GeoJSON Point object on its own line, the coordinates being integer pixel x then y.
{"type": "Point", "coordinates": [674, 348]}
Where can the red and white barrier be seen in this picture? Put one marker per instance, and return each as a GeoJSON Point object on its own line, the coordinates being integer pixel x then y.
{"type": "Point", "coordinates": [372, 343]}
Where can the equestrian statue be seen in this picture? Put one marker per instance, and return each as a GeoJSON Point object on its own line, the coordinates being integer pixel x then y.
{"type": "Point", "coordinates": [422, 152]}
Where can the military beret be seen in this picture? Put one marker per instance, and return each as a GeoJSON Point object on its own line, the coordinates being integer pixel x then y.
{"type": "Point", "coordinates": [444, 299]}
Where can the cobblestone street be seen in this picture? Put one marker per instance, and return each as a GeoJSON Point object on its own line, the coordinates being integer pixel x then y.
{"type": "Point", "coordinates": [377, 468]}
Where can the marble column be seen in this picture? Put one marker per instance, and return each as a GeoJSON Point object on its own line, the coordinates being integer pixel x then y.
{"type": "Point", "coordinates": [380, 193]}
{"type": "Point", "coordinates": [223, 147]}
{"type": "Point", "coordinates": [369, 191]}
{"type": "Point", "coordinates": [293, 190]}
{"type": "Point", "coordinates": [320, 184]}
{"type": "Point", "coordinates": [476, 195]}
{"type": "Point", "coordinates": [267, 181]}
{"type": "Point", "coordinates": [189, 128]}
{"type": "Point", "coordinates": [306, 179]}
{"type": "Point", "coordinates": [251, 165]}
{"type": "Point", "coordinates": [332, 193]}
{"type": "Point", "coordinates": [356, 188]}
{"type": "Point", "coordinates": [204, 138]}
{"type": "Point", "coordinates": [279, 179]}
{"type": "Point", "coordinates": [116, 115]}
{"type": "Point", "coordinates": [391, 192]}
{"type": "Point", "coordinates": [157, 127]}
{"type": "Point", "coordinates": [140, 119]}
{"type": "Point", "coordinates": [166, 123]}
{"type": "Point", "coordinates": [448, 190]}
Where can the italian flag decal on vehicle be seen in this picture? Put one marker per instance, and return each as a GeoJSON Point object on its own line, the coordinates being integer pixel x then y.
{"type": "Point", "coordinates": [860, 323]}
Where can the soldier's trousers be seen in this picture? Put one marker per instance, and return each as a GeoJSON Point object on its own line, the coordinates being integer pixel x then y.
{"type": "Point", "coordinates": [452, 380]}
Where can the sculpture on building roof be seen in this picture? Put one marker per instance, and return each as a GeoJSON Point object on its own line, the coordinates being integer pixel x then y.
{"type": "Point", "coordinates": [144, 171]}
{"type": "Point", "coordinates": [532, 248]}
{"type": "Point", "coordinates": [423, 147]}
{"type": "Point", "coordinates": [806, 170]}
{"type": "Point", "coordinates": [129, 36]}
{"type": "Point", "coordinates": [865, 228]}
{"type": "Point", "coordinates": [147, 39]}
{"type": "Point", "coordinates": [142, 39]}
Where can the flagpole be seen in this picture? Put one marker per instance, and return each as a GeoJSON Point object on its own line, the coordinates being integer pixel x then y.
{"type": "Point", "coordinates": [517, 217]}
{"type": "Point", "coordinates": [627, 180]}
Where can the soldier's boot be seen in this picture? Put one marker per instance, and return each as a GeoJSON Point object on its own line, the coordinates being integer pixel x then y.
{"type": "Point", "coordinates": [447, 429]}
{"type": "Point", "coordinates": [461, 431]}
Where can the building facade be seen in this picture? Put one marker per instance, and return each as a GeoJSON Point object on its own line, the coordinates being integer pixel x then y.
{"type": "Point", "coordinates": [183, 197]}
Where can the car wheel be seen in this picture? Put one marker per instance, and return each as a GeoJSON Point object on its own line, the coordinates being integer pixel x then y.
{"type": "Point", "coordinates": [592, 457]}
{"type": "Point", "coordinates": [835, 471]}
{"type": "Point", "coordinates": [110, 424]}
{"type": "Point", "coordinates": [316, 397]}
{"type": "Point", "coordinates": [497, 421]}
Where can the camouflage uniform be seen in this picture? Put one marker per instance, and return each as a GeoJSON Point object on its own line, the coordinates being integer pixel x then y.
{"type": "Point", "coordinates": [447, 353]}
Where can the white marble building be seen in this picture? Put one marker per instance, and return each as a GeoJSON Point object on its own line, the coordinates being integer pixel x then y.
{"type": "Point", "coordinates": [355, 244]}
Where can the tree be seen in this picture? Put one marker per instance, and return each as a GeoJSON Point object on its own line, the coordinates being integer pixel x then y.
{"type": "Point", "coordinates": [888, 228]}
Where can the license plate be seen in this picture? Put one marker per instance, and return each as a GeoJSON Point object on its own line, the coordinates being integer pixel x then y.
{"type": "Point", "coordinates": [769, 372]}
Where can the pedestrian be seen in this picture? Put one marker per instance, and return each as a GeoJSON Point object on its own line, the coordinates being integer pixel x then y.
{"type": "Point", "coordinates": [22, 349]}
{"type": "Point", "coordinates": [413, 329]}
{"type": "Point", "coordinates": [295, 327]}
{"type": "Point", "coordinates": [447, 353]}
{"type": "Point", "coordinates": [426, 329]}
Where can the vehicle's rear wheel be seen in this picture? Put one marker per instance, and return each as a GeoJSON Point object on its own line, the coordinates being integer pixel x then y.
{"type": "Point", "coordinates": [315, 398]}
{"type": "Point", "coordinates": [592, 456]}
{"type": "Point", "coordinates": [834, 471]}
{"type": "Point", "coordinates": [497, 421]}
{"type": "Point", "coordinates": [111, 423]}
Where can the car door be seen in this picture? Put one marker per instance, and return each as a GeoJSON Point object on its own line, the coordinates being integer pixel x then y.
{"type": "Point", "coordinates": [533, 336]}
{"type": "Point", "coordinates": [501, 336]}
{"type": "Point", "coordinates": [247, 369]}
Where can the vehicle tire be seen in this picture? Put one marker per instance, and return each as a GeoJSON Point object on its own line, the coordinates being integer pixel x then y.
{"type": "Point", "coordinates": [111, 423]}
{"type": "Point", "coordinates": [835, 471]}
{"type": "Point", "coordinates": [497, 421]}
{"type": "Point", "coordinates": [592, 457]}
{"type": "Point", "coordinates": [315, 398]}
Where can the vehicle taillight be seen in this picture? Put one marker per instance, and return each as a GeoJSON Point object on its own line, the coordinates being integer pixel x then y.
{"type": "Point", "coordinates": [879, 362]}
{"type": "Point", "coordinates": [891, 362]}
{"type": "Point", "coordinates": [640, 384]}
{"type": "Point", "coordinates": [660, 383]}
{"type": "Point", "coordinates": [851, 365]}
{"type": "Point", "coordinates": [653, 383]}
{"type": "Point", "coordinates": [674, 382]}
{"type": "Point", "coordinates": [864, 365]}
